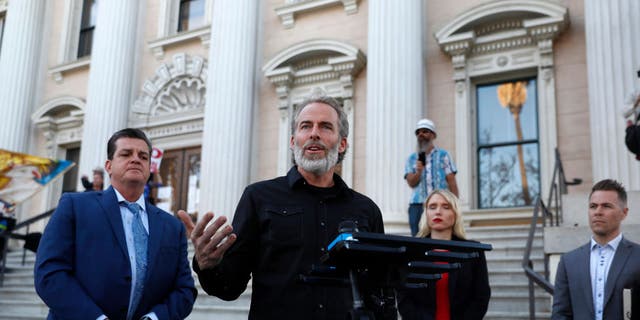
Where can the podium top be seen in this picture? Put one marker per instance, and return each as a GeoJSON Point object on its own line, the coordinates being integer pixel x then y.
{"type": "Point", "coordinates": [371, 249]}
{"type": "Point", "coordinates": [412, 243]}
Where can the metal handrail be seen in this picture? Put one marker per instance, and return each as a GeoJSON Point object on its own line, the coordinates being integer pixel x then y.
{"type": "Point", "coordinates": [558, 187]}
{"type": "Point", "coordinates": [11, 234]}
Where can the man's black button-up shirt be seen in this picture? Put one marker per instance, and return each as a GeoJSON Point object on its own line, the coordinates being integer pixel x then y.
{"type": "Point", "coordinates": [284, 226]}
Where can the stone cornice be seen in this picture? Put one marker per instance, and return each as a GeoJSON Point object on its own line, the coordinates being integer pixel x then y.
{"type": "Point", "coordinates": [336, 60]}
{"type": "Point", "coordinates": [57, 72]}
{"type": "Point", "coordinates": [470, 33]}
{"type": "Point", "coordinates": [291, 8]}
{"type": "Point", "coordinates": [158, 46]}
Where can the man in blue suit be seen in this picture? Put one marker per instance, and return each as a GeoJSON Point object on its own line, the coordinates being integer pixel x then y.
{"type": "Point", "coordinates": [111, 255]}
{"type": "Point", "coordinates": [590, 279]}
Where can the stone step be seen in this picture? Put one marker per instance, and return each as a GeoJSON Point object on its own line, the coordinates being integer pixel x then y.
{"type": "Point", "coordinates": [206, 300]}
{"type": "Point", "coordinates": [515, 275]}
{"type": "Point", "coordinates": [10, 315]}
{"type": "Point", "coordinates": [19, 293]}
{"type": "Point", "coordinates": [18, 279]}
{"type": "Point", "coordinates": [220, 312]}
{"type": "Point", "coordinates": [490, 231]}
{"type": "Point", "coordinates": [513, 249]}
{"type": "Point", "coordinates": [499, 262]}
{"type": "Point", "coordinates": [514, 301]}
{"type": "Point", "coordinates": [30, 307]}
{"type": "Point", "coordinates": [517, 315]}
{"type": "Point", "coordinates": [515, 286]}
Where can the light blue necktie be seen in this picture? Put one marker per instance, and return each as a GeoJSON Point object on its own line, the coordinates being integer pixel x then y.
{"type": "Point", "coordinates": [140, 240]}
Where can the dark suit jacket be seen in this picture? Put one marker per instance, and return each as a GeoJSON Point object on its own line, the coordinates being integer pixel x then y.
{"type": "Point", "coordinates": [82, 268]}
{"type": "Point", "coordinates": [573, 298]}
{"type": "Point", "coordinates": [469, 294]}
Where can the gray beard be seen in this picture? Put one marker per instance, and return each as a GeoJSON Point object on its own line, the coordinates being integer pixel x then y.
{"type": "Point", "coordinates": [315, 166]}
{"type": "Point", "coordinates": [423, 145]}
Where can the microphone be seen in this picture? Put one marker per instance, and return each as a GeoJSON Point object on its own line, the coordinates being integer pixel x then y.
{"type": "Point", "coordinates": [347, 226]}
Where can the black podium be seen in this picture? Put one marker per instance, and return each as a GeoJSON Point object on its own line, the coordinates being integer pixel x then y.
{"type": "Point", "coordinates": [355, 259]}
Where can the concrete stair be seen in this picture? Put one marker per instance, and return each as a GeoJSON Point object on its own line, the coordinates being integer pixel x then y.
{"type": "Point", "coordinates": [509, 285]}
{"type": "Point", "coordinates": [206, 306]}
{"type": "Point", "coordinates": [18, 298]}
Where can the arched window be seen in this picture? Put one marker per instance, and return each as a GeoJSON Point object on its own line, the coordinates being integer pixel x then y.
{"type": "Point", "coordinates": [59, 121]}
{"type": "Point", "coordinates": [502, 56]}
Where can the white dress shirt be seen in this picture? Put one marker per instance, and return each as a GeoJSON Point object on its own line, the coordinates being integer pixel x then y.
{"type": "Point", "coordinates": [600, 263]}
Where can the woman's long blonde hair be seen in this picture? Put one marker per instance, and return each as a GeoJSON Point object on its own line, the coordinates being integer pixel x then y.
{"type": "Point", "coordinates": [458, 226]}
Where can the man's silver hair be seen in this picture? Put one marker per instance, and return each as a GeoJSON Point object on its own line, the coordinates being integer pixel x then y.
{"type": "Point", "coordinates": [318, 95]}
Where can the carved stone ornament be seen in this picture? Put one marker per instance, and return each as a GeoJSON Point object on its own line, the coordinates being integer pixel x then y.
{"type": "Point", "coordinates": [499, 26]}
{"type": "Point", "coordinates": [176, 87]}
{"type": "Point", "coordinates": [314, 62]}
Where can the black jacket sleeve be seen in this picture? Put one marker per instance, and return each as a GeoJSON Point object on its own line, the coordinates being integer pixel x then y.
{"type": "Point", "coordinates": [632, 139]}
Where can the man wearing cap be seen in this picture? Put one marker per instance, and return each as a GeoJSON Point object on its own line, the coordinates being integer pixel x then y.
{"type": "Point", "coordinates": [427, 169]}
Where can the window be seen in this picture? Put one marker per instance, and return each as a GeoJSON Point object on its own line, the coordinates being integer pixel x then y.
{"type": "Point", "coordinates": [70, 180]}
{"type": "Point", "coordinates": [87, 26]}
{"type": "Point", "coordinates": [508, 147]}
{"type": "Point", "coordinates": [191, 15]}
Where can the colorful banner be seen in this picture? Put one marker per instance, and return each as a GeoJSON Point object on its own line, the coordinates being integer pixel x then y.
{"type": "Point", "coordinates": [23, 175]}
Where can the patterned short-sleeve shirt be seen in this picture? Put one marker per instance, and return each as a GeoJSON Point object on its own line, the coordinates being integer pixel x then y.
{"type": "Point", "coordinates": [439, 165]}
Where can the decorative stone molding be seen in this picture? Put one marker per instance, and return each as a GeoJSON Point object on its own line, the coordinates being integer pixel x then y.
{"type": "Point", "coordinates": [3, 5]}
{"type": "Point", "coordinates": [60, 120]}
{"type": "Point", "coordinates": [57, 72]}
{"type": "Point", "coordinates": [172, 102]}
{"type": "Point", "coordinates": [503, 36]}
{"type": "Point", "coordinates": [295, 71]}
{"type": "Point", "coordinates": [176, 87]}
{"type": "Point", "coordinates": [159, 45]}
{"type": "Point", "coordinates": [531, 21]}
{"type": "Point", "coordinates": [291, 8]}
{"type": "Point", "coordinates": [177, 129]}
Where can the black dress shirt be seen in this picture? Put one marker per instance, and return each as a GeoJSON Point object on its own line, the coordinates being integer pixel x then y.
{"type": "Point", "coordinates": [284, 226]}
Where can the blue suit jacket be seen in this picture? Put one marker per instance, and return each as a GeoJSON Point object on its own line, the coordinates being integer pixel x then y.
{"type": "Point", "coordinates": [82, 267]}
{"type": "Point", "coordinates": [573, 298]}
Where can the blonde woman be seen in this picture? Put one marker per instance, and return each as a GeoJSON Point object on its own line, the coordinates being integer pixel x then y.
{"type": "Point", "coordinates": [461, 294]}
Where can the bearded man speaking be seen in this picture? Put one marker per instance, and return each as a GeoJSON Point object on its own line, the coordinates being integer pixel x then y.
{"type": "Point", "coordinates": [282, 226]}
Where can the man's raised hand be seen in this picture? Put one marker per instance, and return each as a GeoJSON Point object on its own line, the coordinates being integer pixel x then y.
{"type": "Point", "coordinates": [210, 242]}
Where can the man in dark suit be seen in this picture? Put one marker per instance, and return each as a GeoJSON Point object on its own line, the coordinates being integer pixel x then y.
{"type": "Point", "coordinates": [590, 279]}
{"type": "Point", "coordinates": [111, 255]}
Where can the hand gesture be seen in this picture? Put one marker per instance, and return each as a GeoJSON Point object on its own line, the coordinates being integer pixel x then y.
{"type": "Point", "coordinates": [210, 242]}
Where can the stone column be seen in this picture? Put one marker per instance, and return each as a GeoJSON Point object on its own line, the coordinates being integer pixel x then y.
{"type": "Point", "coordinates": [395, 101]}
{"type": "Point", "coordinates": [110, 80]}
{"type": "Point", "coordinates": [613, 56]}
{"type": "Point", "coordinates": [226, 141]}
{"type": "Point", "coordinates": [19, 65]}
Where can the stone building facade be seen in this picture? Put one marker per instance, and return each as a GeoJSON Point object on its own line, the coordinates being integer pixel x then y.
{"type": "Point", "coordinates": [214, 84]}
